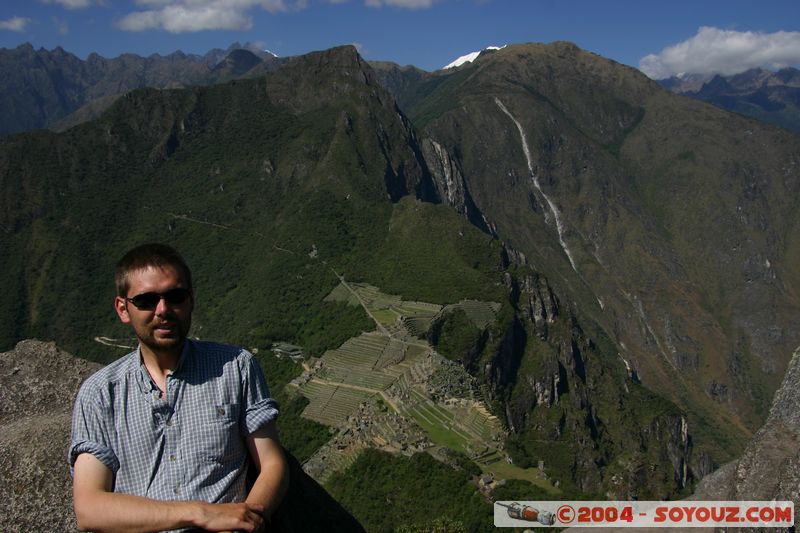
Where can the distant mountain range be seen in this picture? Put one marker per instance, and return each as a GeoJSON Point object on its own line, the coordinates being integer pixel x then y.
{"type": "Point", "coordinates": [56, 89]}
{"type": "Point", "coordinates": [772, 97]}
{"type": "Point", "coordinates": [642, 248]}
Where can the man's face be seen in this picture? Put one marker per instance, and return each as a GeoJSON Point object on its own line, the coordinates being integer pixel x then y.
{"type": "Point", "coordinates": [164, 327]}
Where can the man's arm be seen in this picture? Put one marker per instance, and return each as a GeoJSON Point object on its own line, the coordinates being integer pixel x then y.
{"type": "Point", "coordinates": [273, 472]}
{"type": "Point", "coordinates": [99, 509]}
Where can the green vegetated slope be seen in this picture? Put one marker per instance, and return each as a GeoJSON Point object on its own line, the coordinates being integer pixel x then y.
{"type": "Point", "coordinates": [272, 189]}
{"type": "Point", "coordinates": [247, 188]}
{"type": "Point", "coordinates": [670, 223]}
{"type": "Point", "coordinates": [300, 436]}
{"type": "Point", "coordinates": [410, 493]}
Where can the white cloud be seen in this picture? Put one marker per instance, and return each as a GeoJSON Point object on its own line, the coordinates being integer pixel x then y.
{"type": "Point", "coordinates": [15, 24]}
{"type": "Point", "coordinates": [726, 52]}
{"type": "Point", "coordinates": [406, 4]}
{"type": "Point", "coordinates": [182, 16]}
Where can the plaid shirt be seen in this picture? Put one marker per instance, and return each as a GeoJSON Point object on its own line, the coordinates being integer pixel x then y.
{"type": "Point", "coordinates": [188, 446]}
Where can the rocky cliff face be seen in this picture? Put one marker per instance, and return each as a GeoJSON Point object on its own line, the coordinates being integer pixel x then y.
{"type": "Point", "coordinates": [769, 468]}
{"type": "Point", "coordinates": [38, 383]}
{"type": "Point", "coordinates": [681, 249]}
{"type": "Point", "coordinates": [571, 404]}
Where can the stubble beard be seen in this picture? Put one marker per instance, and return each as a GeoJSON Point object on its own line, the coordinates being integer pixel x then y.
{"type": "Point", "coordinates": [171, 343]}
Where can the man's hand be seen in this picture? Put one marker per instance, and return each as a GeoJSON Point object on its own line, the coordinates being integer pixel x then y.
{"type": "Point", "coordinates": [225, 517]}
{"type": "Point", "coordinates": [99, 509]}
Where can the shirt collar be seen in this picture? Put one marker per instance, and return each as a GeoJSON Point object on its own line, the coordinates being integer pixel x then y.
{"type": "Point", "coordinates": [143, 376]}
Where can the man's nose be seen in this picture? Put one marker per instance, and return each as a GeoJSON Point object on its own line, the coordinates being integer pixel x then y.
{"type": "Point", "coordinates": [162, 306]}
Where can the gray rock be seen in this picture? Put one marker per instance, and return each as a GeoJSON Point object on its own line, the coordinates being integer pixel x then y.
{"type": "Point", "coordinates": [38, 383]}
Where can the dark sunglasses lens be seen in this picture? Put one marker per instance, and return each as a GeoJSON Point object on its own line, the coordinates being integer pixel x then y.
{"type": "Point", "coordinates": [149, 300]}
{"type": "Point", "coordinates": [176, 296]}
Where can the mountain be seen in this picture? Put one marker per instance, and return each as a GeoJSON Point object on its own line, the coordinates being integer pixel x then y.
{"type": "Point", "coordinates": [217, 55]}
{"type": "Point", "coordinates": [402, 82]}
{"type": "Point", "coordinates": [286, 190]}
{"type": "Point", "coordinates": [669, 222]}
{"type": "Point", "coordinates": [56, 89]}
{"type": "Point", "coordinates": [469, 58]}
{"type": "Point", "coordinates": [541, 264]}
{"type": "Point", "coordinates": [773, 97]}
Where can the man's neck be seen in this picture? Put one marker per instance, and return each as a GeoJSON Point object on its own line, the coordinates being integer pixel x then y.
{"type": "Point", "coordinates": [160, 363]}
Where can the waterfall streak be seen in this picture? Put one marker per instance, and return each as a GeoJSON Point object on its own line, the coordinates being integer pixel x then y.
{"type": "Point", "coordinates": [553, 209]}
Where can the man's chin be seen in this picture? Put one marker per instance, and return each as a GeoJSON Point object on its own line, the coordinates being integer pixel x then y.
{"type": "Point", "coordinates": [164, 343]}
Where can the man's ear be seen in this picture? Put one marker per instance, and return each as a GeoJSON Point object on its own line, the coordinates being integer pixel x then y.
{"type": "Point", "coordinates": [121, 307]}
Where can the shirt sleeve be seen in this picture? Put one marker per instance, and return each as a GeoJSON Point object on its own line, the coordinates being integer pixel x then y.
{"type": "Point", "coordinates": [90, 430]}
{"type": "Point", "coordinates": [259, 408]}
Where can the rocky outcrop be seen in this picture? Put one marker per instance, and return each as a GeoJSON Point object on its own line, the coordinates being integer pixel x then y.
{"type": "Point", "coordinates": [38, 383]}
{"type": "Point", "coordinates": [561, 388]}
{"type": "Point", "coordinates": [449, 182]}
{"type": "Point", "coordinates": [769, 468]}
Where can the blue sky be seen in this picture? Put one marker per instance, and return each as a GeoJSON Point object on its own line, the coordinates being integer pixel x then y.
{"type": "Point", "coordinates": [678, 36]}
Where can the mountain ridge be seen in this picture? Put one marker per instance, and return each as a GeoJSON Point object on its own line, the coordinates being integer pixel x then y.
{"type": "Point", "coordinates": [641, 245]}
{"type": "Point", "coordinates": [41, 87]}
{"type": "Point", "coordinates": [334, 185]}
{"type": "Point", "coordinates": [772, 97]}
{"type": "Point", "coordinates": [599, 146]}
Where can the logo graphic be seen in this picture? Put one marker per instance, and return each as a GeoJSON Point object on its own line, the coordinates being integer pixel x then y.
{"type": "Point", "coordinates": [528, 513]}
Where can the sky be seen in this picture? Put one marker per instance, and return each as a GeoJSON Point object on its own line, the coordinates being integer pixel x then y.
{"type": "Point", "coordinates": [661, 38]}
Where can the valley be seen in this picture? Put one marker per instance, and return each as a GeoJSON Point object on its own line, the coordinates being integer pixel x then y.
{"type": "Point", "coordinates": [406, 382]}
{"type": "Point", "coordinates": [542, 266]}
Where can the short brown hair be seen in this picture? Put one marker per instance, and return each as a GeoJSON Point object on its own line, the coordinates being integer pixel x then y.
{"type": "Point", "coordinates": [152, 254]}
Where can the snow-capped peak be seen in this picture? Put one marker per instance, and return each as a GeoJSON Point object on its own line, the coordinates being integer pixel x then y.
{"type": "Point", "coordinates": [469, 58]}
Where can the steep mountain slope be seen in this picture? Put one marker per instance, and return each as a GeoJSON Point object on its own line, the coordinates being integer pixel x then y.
{"type": "Point", "coordinates": [768, 468]}
{"type": "Point", "coordinates": [669, 222]}
{"type": "Point", "coordinates": [276, 189]}
{"type": "Point", "coordinates": [773, 97]}
{"type": "Point", "coordinates": [401, 82]}
{"type": "Point", "coordinates": [225, 163]}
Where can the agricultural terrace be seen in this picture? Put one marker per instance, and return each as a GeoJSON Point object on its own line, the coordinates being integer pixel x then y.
{"type": "Point", "coordinates": [331, 404]}
{"type": "Point", "coordinates": [480, 313]}
{"type": "Point", "coordinates": [387, 310]}
{"type": "Point", "coordinates": [360, 368]}
{"type": "Point", "coordinates": [365, 367]}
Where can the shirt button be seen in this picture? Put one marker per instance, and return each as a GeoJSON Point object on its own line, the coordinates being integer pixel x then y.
{"type": "Point", "coordinates": [169, 423]}
{"type": "Point", "coordinates": [173, 457]}
{"type": "Point", "coordinates": [220, 411]}
{"type": "Point", "coordinates": [177, 490]}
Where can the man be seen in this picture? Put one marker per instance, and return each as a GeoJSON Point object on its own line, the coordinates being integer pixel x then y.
{"type": "Point", "coordinates": [161, 437]}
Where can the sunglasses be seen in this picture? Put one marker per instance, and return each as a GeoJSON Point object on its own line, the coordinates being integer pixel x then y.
{"type": "Point", "coordinates": [149, 300]}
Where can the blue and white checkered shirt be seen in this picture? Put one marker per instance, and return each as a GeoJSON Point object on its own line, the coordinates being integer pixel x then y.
{"type": "Point", "coordinates": [187, 446]}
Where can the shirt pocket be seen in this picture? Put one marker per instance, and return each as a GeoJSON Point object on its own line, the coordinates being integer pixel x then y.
{"type": "Point", "coordinates": [219, 439]}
